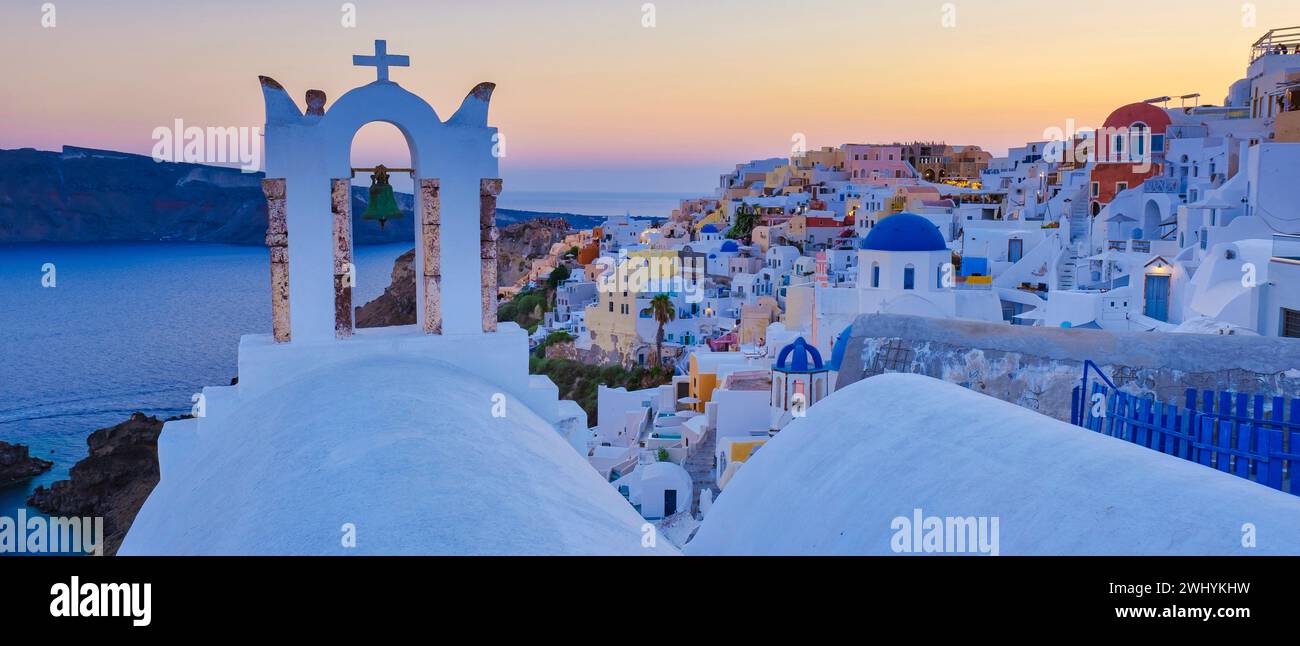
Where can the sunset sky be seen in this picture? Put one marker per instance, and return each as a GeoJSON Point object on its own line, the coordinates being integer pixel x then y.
{"type": "Point", "coordinates": [590, 99]}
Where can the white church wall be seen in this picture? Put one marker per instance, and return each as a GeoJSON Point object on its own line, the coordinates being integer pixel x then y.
{"type": "Point", "coordinates": [308, 151]}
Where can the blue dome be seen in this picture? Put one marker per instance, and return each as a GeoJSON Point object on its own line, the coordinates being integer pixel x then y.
{"type": "Point", "coordinates": [709, 228]}
{"type": "Point", "coordinates": [729, 245]}
{"type": "Point", "coordinates": [799, 357]}
{"type": "Point", "coordinates": [904, 232]}
{"type": "Point", "coordinates": [841, 346]}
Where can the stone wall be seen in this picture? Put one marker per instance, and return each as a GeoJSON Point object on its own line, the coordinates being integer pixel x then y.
{"type": "Point", "coordinates": [1037, 367]}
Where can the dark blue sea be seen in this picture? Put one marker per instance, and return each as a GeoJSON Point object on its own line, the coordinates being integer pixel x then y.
{"type": "Point", "coordinates": [127, 327]}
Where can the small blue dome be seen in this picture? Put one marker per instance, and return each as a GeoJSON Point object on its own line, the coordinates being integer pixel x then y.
{"type": "Point", "coordinates": [799, 357]}
{"type": "Point", "coordinates": [904, 232]}
{"type": "Point", "coordinates": [709, 228]}
{"type": "Point", "coordinates": [841, 346]}
{"type": "Point", "coordinates": [729, 245]}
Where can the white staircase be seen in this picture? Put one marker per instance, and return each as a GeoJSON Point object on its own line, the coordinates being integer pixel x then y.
{"type": "Point", "coordinates": [1070, 256]}
{"type": "Point", "coordinates": [699, 463]}
{"type": "Point", "coordinates": [1079, 220]}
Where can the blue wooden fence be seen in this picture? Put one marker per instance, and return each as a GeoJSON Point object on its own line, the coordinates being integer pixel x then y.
{"type": "Point", "coordinates": [1252, 437]}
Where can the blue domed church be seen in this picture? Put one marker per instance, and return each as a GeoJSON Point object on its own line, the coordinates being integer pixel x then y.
{"type": "Point", "coordinates": [799, 379]}
{"type": "Point", "coordinates": [905, 267]}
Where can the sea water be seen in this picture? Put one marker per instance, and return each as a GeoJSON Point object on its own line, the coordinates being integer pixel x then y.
{"type": "Point", "coordinates": [125, 328]}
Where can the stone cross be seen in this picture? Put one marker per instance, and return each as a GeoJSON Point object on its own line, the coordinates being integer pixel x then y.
{"type": "Point", "coordinates": [382, 60]}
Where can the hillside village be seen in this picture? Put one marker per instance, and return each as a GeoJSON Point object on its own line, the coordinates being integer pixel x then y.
{"type": "Point", "coordinates": [737, 348]}
{"type": "Point", "coordinates": [1174, 216]}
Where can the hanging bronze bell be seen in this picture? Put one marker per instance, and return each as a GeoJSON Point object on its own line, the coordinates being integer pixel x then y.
{"type": "Point", "coordinates": [383, 204]}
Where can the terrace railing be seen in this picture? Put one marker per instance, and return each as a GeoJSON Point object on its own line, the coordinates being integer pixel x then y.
{"type": "Point", "coordinates": [1276, 41]}
{"type": "Point", "coordinates": [1162, 185]}
{"type": "Point", "coordinates": [1253, 437]}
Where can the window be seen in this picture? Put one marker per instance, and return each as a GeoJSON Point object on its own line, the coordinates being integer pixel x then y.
{"type": "Point", "coordinates": [611, 306]}
{"type": "Point", "coordinates": [909, 277]}
{"type": "Point", "coordinates": [1139, 133]}
{"type": "Point", "coordinates": [1290, 326]}
{"type": "Point", "coordinates": [875, 275]}
{"type": "Point", "coordinates": [1096, 189]}
{"type": "Point", "coordinates": [1120, 187]}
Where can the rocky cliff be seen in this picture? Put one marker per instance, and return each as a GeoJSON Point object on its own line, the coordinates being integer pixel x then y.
{"type": "Point", "coordinates": [523, 242]}
{"type": "Point", "coordinates": [17, 465]}
{"type": "Point", "coordinates": [396, 306]}
{"type": "Point", "coordinates": [519, 243]}
{"type": "Point", "coordinates": [112, 482]}
{"type": "Point", "coordinates": [87, 195]}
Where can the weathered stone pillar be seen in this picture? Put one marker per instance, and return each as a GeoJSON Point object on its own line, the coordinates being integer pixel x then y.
{"type": "Point", "coordinates": [344, 271]}
{"type": "Point", "coordinates": [488, 191]}
{"type": "Point", "coordinates": [430, 240]}
{"type": "Point", "coordinates": [277, 238]}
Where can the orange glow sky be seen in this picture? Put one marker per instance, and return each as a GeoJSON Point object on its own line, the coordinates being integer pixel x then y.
{"type": "Point", "coordinates": [589, 99]}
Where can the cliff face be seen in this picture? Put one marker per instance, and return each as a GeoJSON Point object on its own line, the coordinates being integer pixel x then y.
{"type": "Point", "coordinates": [87, 195]}
{"type": "Point", "coordinates": [396, 306]}
{"type": "Point", "coordinates": [113, 481]}
{"type": "Point", "coordinates": [522, 242]}
{"type": "Point", "coordinates": [17, 465]}
{"type": "Point", "coordinates": [517, 244]}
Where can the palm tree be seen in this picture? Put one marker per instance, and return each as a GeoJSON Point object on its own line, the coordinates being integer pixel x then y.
{"type": "Point", "coordinates": [661, 308]}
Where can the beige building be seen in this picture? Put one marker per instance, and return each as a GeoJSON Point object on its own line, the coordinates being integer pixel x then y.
{"type": "Point", "coordinates": [755, 318]}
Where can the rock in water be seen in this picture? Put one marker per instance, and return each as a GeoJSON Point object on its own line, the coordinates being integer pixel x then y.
{"type": "Point", "coordinates": [17, 465]}
{"type": "Point", "coordinates": [113, 481]}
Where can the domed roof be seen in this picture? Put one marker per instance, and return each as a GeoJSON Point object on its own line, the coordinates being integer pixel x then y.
{"type": "Point", "coordinates": [840, 347]}
{"type": "Point", "coordinates": [729, 245]}
{"type": "Point", "coordinates": [282, 465]}
{"type": "Point", "coordinates": [861, 443]}
{"type": "Point", "coordinates": [709, 228]}
{"type": "Point", "coordinates": [799, 357]}
{"type": "Point", "coordinates": [904, 232]}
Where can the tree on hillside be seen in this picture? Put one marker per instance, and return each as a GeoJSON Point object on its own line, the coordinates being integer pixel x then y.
{"type": "Point", "coordinates": [661, 308]}
{"type": "Point", "coordinates": [558, 275]}
{"type": "Point", "coordinates": [743, 223]}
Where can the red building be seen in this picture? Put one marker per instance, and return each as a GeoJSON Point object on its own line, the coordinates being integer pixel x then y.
{"type": "Point", "coordinates": [1128, 148]}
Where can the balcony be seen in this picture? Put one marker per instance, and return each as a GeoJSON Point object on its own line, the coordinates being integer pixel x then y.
{"type": "Point", "coordinates": [1136, 246]}
{"type": "Point", "coordinates": [1162, 185]}
{"type": "Point", "coordinates": [1276, 41]}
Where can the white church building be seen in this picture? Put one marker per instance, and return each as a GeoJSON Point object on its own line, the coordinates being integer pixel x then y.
{"type": "Point", "coordinates": [904, 266]}
{"type": "Point", "coordinates": [430, 438]}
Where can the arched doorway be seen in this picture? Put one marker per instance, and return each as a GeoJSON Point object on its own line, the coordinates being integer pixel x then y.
{"type": "Point", "coordinates": [1151, 219]}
